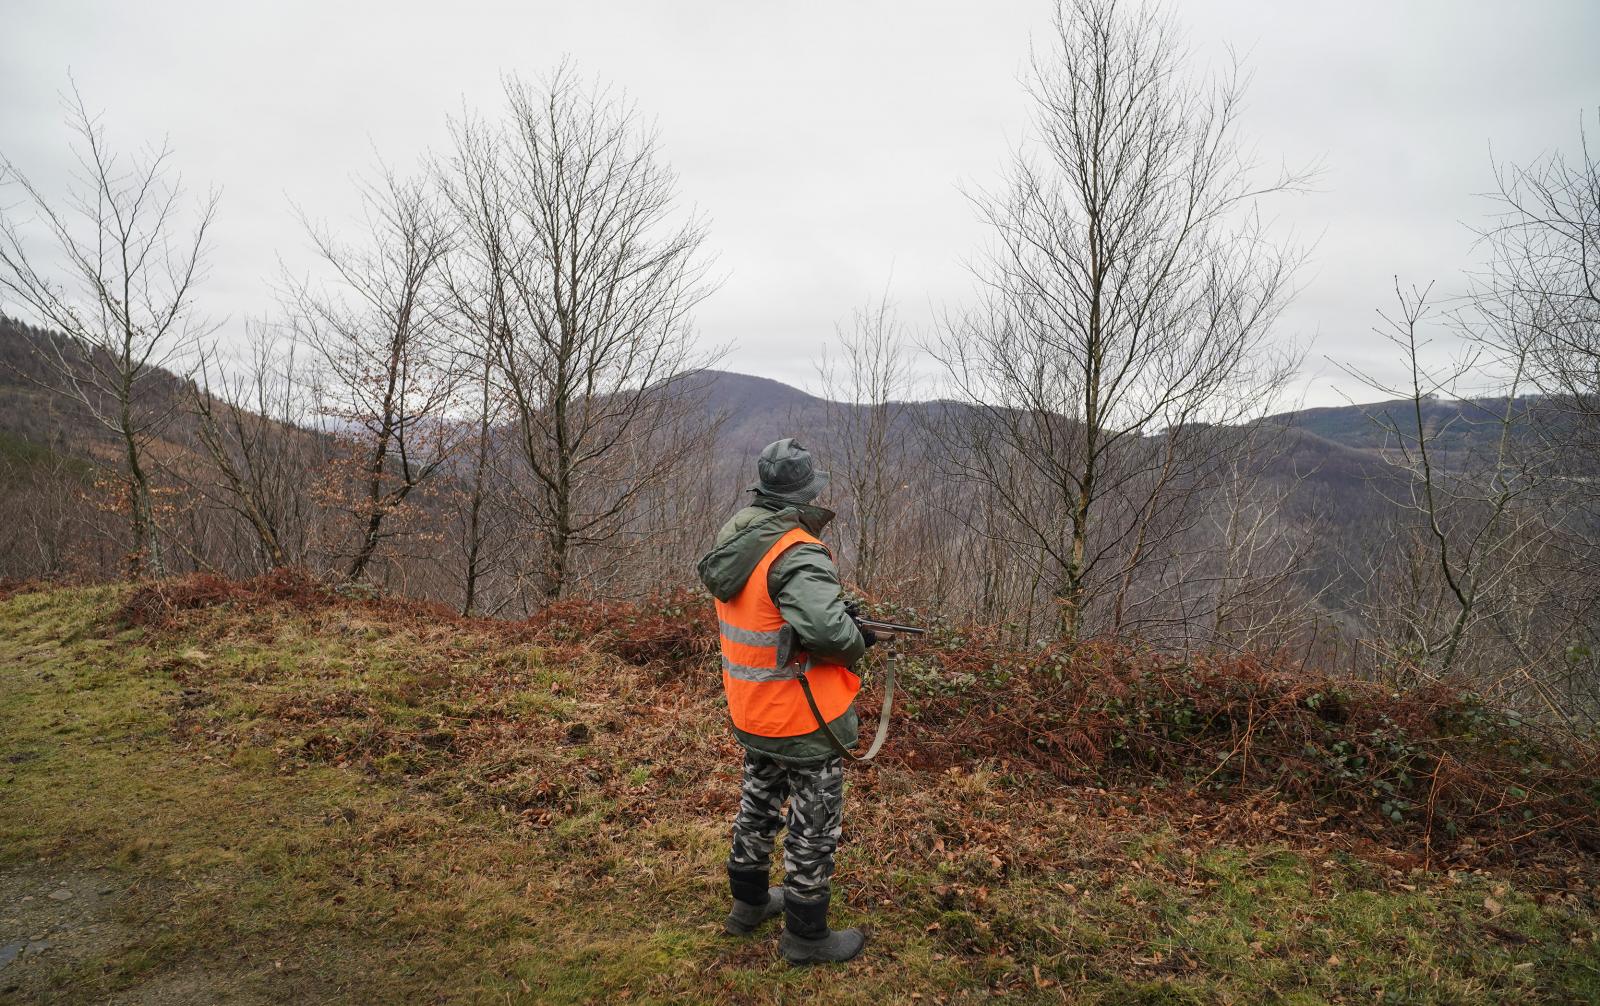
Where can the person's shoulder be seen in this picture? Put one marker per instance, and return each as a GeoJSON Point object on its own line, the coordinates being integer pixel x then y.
{"type": "Point", "coordinates": [743, 519]}
{"type": "Point", "coordinates": [806, 553]}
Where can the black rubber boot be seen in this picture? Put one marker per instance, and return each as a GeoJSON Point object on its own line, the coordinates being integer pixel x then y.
{"type": "Point", "coordinates": [808, 940]}
{"type": "Point", "coordinates": [753, 901]}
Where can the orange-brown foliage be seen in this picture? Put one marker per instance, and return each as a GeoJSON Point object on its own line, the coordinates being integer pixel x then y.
{"type": "Point", "coordinates": [673, 631]}
{"type": "Point", "coordinates": [1250, 747]}
{"type": "Point", "coordinates": [12, 586]}
{"type": "Point", "coordinates": [159, 603]}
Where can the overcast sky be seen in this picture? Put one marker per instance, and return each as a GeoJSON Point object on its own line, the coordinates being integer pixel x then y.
{"type": "Point", "coordinates": [825, 142]}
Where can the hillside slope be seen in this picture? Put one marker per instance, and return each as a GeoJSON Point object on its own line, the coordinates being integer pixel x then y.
{"type": "Point", "coordinates": [755, 411]}
{"type": "Point", "coordinates": [265, 792]}
{"type": "Point", "coordinates": [1331, 456]}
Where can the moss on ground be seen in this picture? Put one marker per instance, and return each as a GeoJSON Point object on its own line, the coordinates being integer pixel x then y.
{"type": "Point", "coordinates": [337, 808]}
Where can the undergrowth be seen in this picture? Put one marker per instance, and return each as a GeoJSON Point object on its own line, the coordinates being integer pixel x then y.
{"type": "Point", "coordinates": [1428, 777]}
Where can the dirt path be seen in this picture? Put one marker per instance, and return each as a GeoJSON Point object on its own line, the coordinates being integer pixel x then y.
{"type": "Point", "coordinates": [52, 918]}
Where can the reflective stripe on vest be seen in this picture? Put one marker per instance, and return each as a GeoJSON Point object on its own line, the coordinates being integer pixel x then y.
{"type": "Point", "coordinates": [763, 698]}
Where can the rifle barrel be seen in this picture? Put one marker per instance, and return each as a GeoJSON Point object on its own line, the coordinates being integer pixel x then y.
{"type": "Point", "coordinates": [877, 626]}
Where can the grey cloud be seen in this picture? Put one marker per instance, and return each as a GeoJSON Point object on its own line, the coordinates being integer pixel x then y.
{"type": "Point", "coordinates": [825, 142]}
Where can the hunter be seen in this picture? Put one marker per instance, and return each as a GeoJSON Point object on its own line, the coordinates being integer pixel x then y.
{"type": "Point", "coordinates": [769, 568]}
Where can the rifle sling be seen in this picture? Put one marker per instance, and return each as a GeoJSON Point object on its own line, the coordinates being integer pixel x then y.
{"type": "Point", "coordinates": [883, 716]}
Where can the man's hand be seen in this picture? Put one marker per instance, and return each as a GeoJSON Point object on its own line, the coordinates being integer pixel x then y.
{"type": "Point", "coordinates": [867, 635]}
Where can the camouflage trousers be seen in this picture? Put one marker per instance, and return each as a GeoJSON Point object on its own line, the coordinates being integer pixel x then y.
{"type": "Point", "coordinates": [816, 814]}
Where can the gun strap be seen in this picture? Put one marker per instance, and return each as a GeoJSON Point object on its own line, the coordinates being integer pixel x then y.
{"type": "Point", "coordinates": [883, 716]}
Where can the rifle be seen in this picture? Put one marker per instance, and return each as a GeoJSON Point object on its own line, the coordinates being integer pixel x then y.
{"type": "Point", "coordinates": [877, 626]}
{"type": "Point", "coordinates": [787, 646]}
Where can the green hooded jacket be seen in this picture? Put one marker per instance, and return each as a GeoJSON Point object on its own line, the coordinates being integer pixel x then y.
{"type": "Point", "coordinates": [805, 586]}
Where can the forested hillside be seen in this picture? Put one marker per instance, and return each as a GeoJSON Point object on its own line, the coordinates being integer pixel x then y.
{"type": "Point", "coordinates": [1308, 518]}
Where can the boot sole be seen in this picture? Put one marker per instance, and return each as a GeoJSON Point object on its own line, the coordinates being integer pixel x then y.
{"type": "Point", "coordinates": [807, 960]}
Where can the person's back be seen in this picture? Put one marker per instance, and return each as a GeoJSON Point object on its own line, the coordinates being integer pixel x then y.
{"type": "Point", "coordinates": [767, 570]}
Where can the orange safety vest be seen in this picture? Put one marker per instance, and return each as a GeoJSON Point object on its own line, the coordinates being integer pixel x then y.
{"type": "Point", "coordinates": [763, 698]}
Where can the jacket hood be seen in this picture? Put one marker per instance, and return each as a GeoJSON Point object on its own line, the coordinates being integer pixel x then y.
{"type": "Point", "coordinates": [745, 540]}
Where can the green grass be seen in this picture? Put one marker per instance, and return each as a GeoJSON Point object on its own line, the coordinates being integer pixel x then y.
{"type": "Point", "coordinates": [342, 809]}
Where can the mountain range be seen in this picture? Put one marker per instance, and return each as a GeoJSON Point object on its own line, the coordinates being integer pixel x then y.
{"type": "Point", "coordinates": [1332, 444]}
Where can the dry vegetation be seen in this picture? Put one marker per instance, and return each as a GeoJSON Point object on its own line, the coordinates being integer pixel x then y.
{"type": "Point", "coordinates": [399, 804]}
{"type": "Point", "coordinates": [1426, 778]}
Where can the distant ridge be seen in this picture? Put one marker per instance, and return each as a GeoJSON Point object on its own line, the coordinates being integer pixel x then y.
{"type": "Point", "coordinates": [758, 410]}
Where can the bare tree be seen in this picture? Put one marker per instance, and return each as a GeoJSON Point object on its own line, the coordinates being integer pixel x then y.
{"type": "Point", "coordinates": [477, 279]}
{"type": "Point", "coordinates": [131, 263]}
{"type": "Point", "coordinates": [1474, 517]}
{"type": "Point", "coordinates": [45, 492]}
{"type": "Point", "coordinates": [1238, 581]}
{"type": "Point", "coordinates": [251, 425]}
{"type": "Point", "coordinates": [863, 389]}
{"type": "Point", "coordinates": [1539, 302]}
{"type": "Point", "coordinates": [1545, 278]}
{"type": "Point", "coordinates": [478, 527]}
{"type": "Point", "coordinates": [594, 283]}
{"type": "Point", "coordinates": [388, 371]}
{"type": "Point", "coordinates": [1126, 308]}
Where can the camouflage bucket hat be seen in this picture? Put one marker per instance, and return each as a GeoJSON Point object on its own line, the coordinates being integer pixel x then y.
{"type": "Point", "coordinates": [786, 473]}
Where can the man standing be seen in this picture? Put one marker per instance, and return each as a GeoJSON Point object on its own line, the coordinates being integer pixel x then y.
{"type": "Point", "coordinates": [769, 569]}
